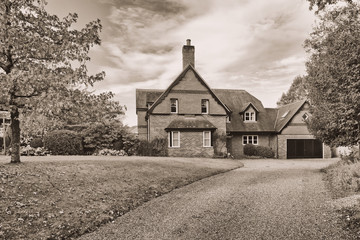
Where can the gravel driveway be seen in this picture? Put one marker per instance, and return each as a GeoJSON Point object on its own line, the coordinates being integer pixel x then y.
{"type": "Point", "coordinates": [266, 199]}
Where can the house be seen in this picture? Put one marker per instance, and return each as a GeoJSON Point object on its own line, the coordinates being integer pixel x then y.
{"type": "Point", "coordinates": [199, 121]}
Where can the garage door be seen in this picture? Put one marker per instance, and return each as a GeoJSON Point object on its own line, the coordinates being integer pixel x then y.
{"type": "Point", "coordinates": [304, 148]}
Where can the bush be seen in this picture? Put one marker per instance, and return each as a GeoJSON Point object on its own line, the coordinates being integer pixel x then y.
{"type": "Point", "coordinates": [64, 142]}
{"type": "Point", "coordinates": [36, 143]}
{"type": "Point", "coordinates": [261, 151]}
{"type": "Point", "coordinates": [250, 150]}
{"type": "Point", "coordinates": [30, 151]}
{"type": "Point", "coordinates": [157, 147]}
{"type": "Point", "coordinates": [343, 177]}
{"type": "Point", "coordinates": [111, 152]}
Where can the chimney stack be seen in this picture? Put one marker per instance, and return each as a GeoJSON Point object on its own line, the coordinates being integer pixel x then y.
{"type": "Point", "coordinates": [188, 52]}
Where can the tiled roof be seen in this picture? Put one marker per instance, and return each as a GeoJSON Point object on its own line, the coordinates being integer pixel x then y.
{"type": "Point", "coordinates": [185, 122]}
{"type": "Point", "coordinates": [237, 100]}
{"type": "Point", "coordinates": [268, 119]}
{"type": "Point", "coordinates": [143, 96]}
{"type": "Point", "coordinates": [286, 113]}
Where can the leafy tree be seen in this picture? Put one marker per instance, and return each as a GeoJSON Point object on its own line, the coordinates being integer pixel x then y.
{"type": "Point", "coordinates": [321, 4]}
{"type": "Point", "coordinates": [334, 76]}
{"type": "Point", "coordinates": [297, 91]}
{"type": "Point", "coordinates": [79, 107]}
{"type": "Point", "coordinates": [42, 59]}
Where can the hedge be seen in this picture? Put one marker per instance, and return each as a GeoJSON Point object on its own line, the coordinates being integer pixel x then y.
{"type": "Point", "coordinates": [261, 151]}
{"type": "Point", "coordinates": [64, 142]}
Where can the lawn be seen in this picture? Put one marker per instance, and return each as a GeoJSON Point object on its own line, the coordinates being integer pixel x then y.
{"type": "Point", "coordinates": [62, 197]}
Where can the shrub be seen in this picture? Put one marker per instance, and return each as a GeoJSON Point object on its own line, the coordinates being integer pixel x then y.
{"type": "Point", "coordinates": [157, 147]}
{"type": "Point", "coordinates": [250, 150]}
{"type": "Point", "coordinates": [107, 135]}
{"type": "Point", "coordinates": [111, 152]}
{"type": "Point", "coordinates": [261, 151]}
{"type": "Point", "coordinates": [36, 143]}
{"type": "Point", "coordinates": [265, 152]}
{"type": "Point", "coordinates": [344, 178]}
{"type": "Point", "coordinates": [30, 151]}
{"type": "Point", "coordinates": [64, 142]}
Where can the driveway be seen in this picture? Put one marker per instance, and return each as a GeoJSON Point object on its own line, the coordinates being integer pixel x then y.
{"type": "Point", "coordinates": [266, 199]}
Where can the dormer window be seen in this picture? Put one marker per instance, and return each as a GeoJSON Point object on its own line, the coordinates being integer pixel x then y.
{"type": "Point", "coordinates": [228, 119]}
{"type": "Point", "coordinates": [174, 105]}
{"type": "Point", "coordinates": [204, 106]}
{"type": "Point", "coordinates": [250, 117]}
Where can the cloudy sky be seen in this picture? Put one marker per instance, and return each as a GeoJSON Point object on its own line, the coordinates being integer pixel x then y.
{"type": "Point", "coordinates": [239, 44]}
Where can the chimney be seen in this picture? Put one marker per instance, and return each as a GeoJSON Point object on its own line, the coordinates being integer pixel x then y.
{"type": "Point", "coordinates": [188, 52]}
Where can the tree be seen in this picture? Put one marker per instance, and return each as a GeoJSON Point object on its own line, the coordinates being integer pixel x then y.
{"type": "Point", "coordinates": [297, 91]}
{"type": "Point", "coordinates": [79, 107]}
{"type": "Point", "coordinates": [321, 4]}
{"type": "Point", "coordinates": [334, 76]}
{"type": "Point", "coordinates": [42, 58]}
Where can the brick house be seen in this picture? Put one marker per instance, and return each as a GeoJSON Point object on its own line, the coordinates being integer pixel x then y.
{"type": "Point", "coordinates": [200, 121]}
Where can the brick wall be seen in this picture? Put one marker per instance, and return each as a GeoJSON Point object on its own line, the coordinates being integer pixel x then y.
{"type": "Point", "coordinates": [237, 147]}
{"type": "Point", "coordinates": [191, 145]}
{"type": "Point", "coordinates": [191, 142]}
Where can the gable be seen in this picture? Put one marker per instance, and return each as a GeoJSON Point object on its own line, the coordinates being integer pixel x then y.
{"type": "Point", "coordinates": [290, 118]}
{"type": "Point", "coordinates": [189, 88]}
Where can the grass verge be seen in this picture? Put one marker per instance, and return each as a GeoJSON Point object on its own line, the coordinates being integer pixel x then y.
{"type": "Point", "coordinates": [343, 180]}
{"type": "Point", "coordinates": [65, 197]}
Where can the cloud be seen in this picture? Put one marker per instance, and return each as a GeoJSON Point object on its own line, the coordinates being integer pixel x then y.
{"type": "Point", "coordinates": [252, 45]}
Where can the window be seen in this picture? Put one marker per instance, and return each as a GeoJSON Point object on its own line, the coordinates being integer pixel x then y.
{"type": "Point", "coordinates": [285, 114]}
{"type": "Point", "coordinates": [204, 106]}
{"type": "Point", "coordinates": [250, 139]}
{"type": "Point", "coordinates": [249, 117]}
{"type": "Point", "coordinates": [228, 119]}
{"type": "Point", "coordinates": [174, 105]}
{"type": "Point", "coordinates": [174, 139]}
{"type": "Point", "coordinates": [305, 116]}
{"type": "Point", "coordinates": [207, 139]}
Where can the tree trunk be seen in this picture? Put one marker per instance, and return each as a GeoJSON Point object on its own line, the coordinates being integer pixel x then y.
{"type": "Point", "coordinates": [15, 134]}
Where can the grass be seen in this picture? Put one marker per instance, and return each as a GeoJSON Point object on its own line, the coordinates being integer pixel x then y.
{"type": "Point", "coordinates": [65, 197]}
{"type": "Point", "coordinates": [343, 180]}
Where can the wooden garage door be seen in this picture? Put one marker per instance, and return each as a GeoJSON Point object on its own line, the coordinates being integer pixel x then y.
{"type": "Point", "coordinates": [304, 148]}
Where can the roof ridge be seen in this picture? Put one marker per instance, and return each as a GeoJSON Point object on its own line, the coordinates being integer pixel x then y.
{"type": "Point", "coordinates": [286, 105]}
{"type": "Point", "coordinates": [228, 89]}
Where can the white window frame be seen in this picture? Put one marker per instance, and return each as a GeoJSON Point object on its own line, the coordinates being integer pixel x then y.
{"type": "Point", "coordinates": [204, 133]}
{"type": "Point", "coordinates": [306, 116]}
{"type": "Point", "coordinates": [251, 116]}
{"type": "Point", "coordinates": [206, 105]}
{"type": "Point", "coordinates": [228, 119]}
{"type": "Point", "coordinates": [254, 139]}
{"type": "Point", "coordinates": [171, 139]}
{"type": "Point", "coordinates": [176, 103]}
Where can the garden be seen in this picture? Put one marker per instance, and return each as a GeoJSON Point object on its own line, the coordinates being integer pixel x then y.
{"type": "Point", "coordinates": [63, 197]}
{"type": "Point", "coordinates": [343, 180]}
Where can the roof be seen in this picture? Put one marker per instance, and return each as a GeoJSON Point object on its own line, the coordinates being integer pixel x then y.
{"type": "Point", "coordinates": [268, 119]}
{"type": "Point", "coordinates": [143, 96]}
{"type": "Point", "coordinates": [246, 106]}
{"type": "Point", "coordinates": [185, 122]}
{"type": "Point", "coordinates": [238, 100]}
{"type": "Point", "coordinates": [178, 79]}
{"type": "Point", "coordinates": [286, 114]}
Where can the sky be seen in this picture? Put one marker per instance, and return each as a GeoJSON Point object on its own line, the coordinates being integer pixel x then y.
{"type": "Point", "coordinates": [254, 45]}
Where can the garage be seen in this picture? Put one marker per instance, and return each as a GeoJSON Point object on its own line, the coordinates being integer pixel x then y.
{"type": "Point", "coordinates": [304, 148]}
